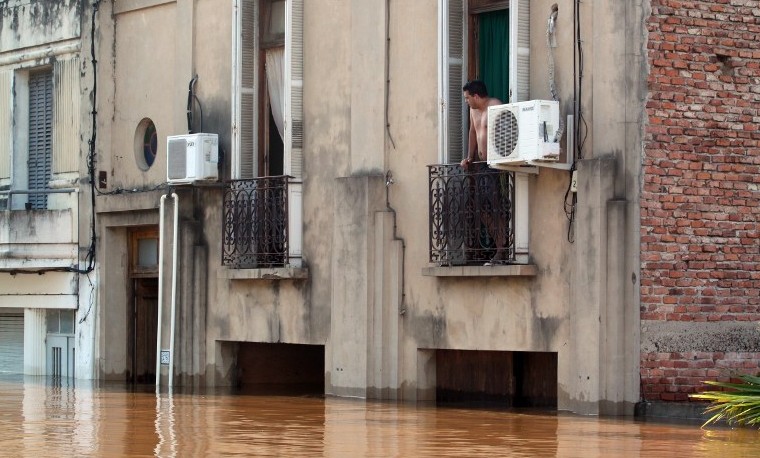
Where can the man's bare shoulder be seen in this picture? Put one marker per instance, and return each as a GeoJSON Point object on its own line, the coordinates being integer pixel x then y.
{"type": "Point", "coordinates": [494, 101]}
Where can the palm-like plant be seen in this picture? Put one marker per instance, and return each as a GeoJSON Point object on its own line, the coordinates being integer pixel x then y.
{"type": "Point", "coordinates": [740, 405]}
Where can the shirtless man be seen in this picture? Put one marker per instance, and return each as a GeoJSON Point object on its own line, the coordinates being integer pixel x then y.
{"type": "Point", "coordinates": [476, 96]}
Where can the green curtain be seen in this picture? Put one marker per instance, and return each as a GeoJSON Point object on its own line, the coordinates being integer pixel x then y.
{"type": "Point", "coordinates": [493, 53]}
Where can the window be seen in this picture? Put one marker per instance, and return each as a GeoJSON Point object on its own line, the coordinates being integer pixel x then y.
{"type": "Point", "coordinates": [39, 131]}
{"type": "Point", "coordinates": [143, 246]}
{"type": "Point", "coordinates": [487, 40]}
{"type": "Point", "coordinates": [269, 114]}
{"type": "Point", "coordinates": [480, 39]}
{"type": "Point", "coordinates": [60, 322]}
{"type": "Point", "coordinates": [146, 144]}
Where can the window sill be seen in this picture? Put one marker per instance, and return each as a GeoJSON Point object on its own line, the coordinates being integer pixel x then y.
{"type": "Point", "coordinates": [274, 273]}
{"type": "Point", "coordinates": [512, 270]}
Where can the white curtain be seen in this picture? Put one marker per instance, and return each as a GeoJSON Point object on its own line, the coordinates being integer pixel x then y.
{"type": "Point", "coordinates": [276, 83]}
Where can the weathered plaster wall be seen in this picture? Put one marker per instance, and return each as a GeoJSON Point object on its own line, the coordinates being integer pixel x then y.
{"type": "Point", "coordinates": [28, 23]}
{"type": "Point", "coordinates": [55, 34]}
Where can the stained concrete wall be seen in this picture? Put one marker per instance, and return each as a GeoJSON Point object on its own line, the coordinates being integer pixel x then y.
{"type": "Point", "coordinates": [366, 237]}
{"type": "Point", "coordinates": [55, 34]}
{"type": "Point", "coordinates": [28, 23]}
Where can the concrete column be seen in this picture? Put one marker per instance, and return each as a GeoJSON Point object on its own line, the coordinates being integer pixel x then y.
{"type": "Point", "coordinates": [581, 365]}
{"type": "Point", "coordinates": [198, 328]}
{"type": "Point", "coordinates": [35, 330]}
{"type": "Point", "coordinates": [84, 365]}
{"type": "Point", "coordinates": [367, 86]}
{"type": "Point", "coordinates": [353, 283]}
{"type": "Point", "coordinates": [383, 351]}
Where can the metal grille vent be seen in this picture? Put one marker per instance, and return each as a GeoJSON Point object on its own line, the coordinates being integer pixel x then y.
{"type": "Point", "coordinates": [504, 133]}
{"type": "Point", "coordinates": [177, 161]}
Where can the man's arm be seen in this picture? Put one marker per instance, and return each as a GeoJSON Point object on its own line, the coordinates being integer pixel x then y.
{"type": "Point", "coordinates": [472, 145]}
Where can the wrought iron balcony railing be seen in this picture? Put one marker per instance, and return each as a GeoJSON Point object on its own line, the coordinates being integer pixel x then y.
{"type": "Point", "coordinates": [256, 223]}
{"type": "Point", "coordinates": [471, 215]}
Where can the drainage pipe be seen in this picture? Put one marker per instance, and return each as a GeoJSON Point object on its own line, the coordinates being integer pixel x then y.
{"type": "Point", "coordinates": [175, 240]}
{"type": "Point", "coordinates": [160, 287]}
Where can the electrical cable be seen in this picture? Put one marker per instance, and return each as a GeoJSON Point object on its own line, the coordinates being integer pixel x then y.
{"type": "Point", "coordinates": [89, 258]}
{"type": "Point", "coordinates": [550, 30]}
{"type": "Point", "coordinates": [200, 108]}
{"type": "Point", "coordinates": [190, 104]}
{"type": "Point", "coordinates": [571, 198]}
{"type": "Point", "coordinates": [387, 71]}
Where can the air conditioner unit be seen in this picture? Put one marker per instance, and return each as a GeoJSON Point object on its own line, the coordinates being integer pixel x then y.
{"type": "Point", "coordinates": [192, 157]}
{"type": "Point", "coordinates": [523, 133]}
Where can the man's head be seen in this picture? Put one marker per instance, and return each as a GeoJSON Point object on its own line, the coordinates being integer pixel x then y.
{"type": "Point", "coordinates": [475, 94]}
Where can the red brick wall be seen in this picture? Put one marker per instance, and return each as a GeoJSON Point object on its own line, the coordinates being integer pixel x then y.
{"type": "Point", "coordinates": [700, 204]}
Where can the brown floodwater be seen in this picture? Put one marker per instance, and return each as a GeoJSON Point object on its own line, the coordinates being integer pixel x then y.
{"type": "Point", "coordinates": [40, 418]}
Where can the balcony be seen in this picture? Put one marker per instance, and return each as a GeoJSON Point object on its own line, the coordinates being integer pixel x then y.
{"type": "Point", "coordinates": [39, 231]}
{"type": "Point", "coordinates": [472, 217]}
{"type": "Point", "coordinates": [256, 223]}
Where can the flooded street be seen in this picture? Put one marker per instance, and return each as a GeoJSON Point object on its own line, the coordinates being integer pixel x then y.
{"type": "Point", "coordinates": [40, 418]}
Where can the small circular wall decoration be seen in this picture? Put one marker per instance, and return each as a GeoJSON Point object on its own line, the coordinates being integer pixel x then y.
{"type": "Point", "coordinates": [146, 144]}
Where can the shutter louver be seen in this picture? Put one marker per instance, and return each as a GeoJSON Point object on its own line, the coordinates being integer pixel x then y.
{"type": "Point", "coordinates": [519, 53]}
{"type": "Point", "coordinates": [40, 135]}
{"type": "Point", "coordinates": [66, 125]}
{"type": "Point", "coordinates": [294, 89]}
{"type": "Point", "coordinates": [455, 105]}
{"type": "Point", "coordinates": [248, 94]}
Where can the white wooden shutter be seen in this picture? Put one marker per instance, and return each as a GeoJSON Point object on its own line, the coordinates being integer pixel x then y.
{"type": "Point", "coordinates": [6, 123]}
{"type": "Point", "coordinates": [66, 126]}
{"type": "Point", "coordinates": [294, 22]}
{"type": "Point", "coordinates": [294, 89]}
{"type": "Point", "coordinates": [452, 58]}
{"type": "Point", "coordinates": [519, 50]}
{"type": "Point", "coordinates": [248, 42]}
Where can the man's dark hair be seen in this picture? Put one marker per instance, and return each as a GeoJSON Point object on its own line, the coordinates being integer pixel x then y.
{"type": "Point", "coordinates": [476, 87]}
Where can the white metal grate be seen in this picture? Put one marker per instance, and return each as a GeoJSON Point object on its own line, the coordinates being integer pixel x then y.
{"type": "Point", "coordinates": [503, 132]}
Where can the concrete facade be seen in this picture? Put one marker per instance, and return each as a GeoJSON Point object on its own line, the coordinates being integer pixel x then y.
{"type": "Point", "coordinates": [366, 290]}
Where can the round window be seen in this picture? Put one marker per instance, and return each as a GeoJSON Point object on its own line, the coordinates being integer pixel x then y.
{"type": "Point", "coordinates": [146, 144]}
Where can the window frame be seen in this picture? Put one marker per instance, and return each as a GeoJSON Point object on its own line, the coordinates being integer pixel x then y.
{"type": "Point", "coordinates": [519, 84]}
{"type": "Point", "coordinates": [246, 21]}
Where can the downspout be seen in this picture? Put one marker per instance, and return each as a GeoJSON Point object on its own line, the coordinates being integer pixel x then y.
{"type": "Point", "coordinates": [173, 303]}
{"type": "Point", "coordinates": [160, 288]}
{"type": "Point", "coordinates": [174, 290]}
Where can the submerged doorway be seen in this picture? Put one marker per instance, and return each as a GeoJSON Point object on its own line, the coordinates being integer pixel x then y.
{"type": "Point", "coordinates": [496, 378]}
{"type": "Point", "coordinates": [278, 368]}
{"type": "Point", "coordinates": [143, 310]}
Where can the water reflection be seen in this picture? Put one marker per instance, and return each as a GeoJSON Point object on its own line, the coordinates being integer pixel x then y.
{"type": "Point", "coordinates": [44, 417]}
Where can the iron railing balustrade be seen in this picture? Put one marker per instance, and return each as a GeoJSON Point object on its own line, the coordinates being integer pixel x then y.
{"type": "Point", "coordinates": [471, 215]}
{"type": "Point", "coordinates": [256, 223]}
